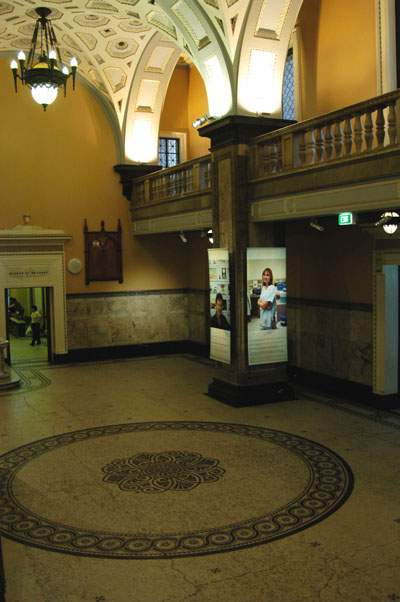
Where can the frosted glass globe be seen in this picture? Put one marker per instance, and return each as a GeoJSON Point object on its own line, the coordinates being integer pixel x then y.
{"type": "Point", "coordinates": [44, 95]}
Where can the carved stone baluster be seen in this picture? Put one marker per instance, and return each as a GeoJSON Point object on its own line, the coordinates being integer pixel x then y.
{"type": "Point", "coordinates": [319, 145]}
{"type": "Point", "coordinates": [338, 139]}
{"type": "Point", "coordinates": [328, 141]}
{"type": "Point", "coordinates": [348, 136]}
{"type": "Point", "coordinates": [368, 127]}
{"type": "Point", "coordinates": [358, 137]}
{"type": "Point", "coordinates": [380, 127]}
{"type": "Point", "coordinates": [302, 148]}
{"type": "Point", "coordinates": [273, 157]}
{"type": "Point", "coordinates": [190, 182]}
{"type": "Point", "coordinates": [279, 154]}
{"type": "Point", "coordinates": [266, 156]}
{"type": "Point", "coordinates": [392, 124]}
{"type": "Point", "coordinates": [310, 147]}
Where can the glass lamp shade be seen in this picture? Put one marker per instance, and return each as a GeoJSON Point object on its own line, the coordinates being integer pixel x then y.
{"type": "Point", "coordinates": [390, 228]}
{"type": "Point", "coordinates": [44, 95]}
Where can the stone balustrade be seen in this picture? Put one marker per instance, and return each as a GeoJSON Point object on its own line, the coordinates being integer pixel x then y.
{"type": "Point", "coordinates": [187, 178]}
{"type": "Point", "coordinates": [365, 128]}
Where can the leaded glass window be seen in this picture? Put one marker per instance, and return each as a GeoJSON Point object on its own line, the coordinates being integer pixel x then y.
{"type": "Point", "coordinates": [288, 88]}
{"type": "Point", "coordinates": [168, 152]}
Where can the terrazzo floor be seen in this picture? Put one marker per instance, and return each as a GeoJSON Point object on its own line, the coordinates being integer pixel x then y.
{"type": "Point", "coordinates": [124, 482]}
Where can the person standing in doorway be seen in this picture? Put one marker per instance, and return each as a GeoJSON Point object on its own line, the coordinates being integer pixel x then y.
{"type": "Point", "coordinates": [35, 324]}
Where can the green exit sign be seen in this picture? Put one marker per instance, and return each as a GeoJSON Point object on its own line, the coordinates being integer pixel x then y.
{"type": "Point", "coordinates": [345, 219]}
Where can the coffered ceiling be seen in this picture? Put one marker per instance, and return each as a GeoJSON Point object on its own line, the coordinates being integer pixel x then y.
{"type": "Point", "coordinates": [127, 49]}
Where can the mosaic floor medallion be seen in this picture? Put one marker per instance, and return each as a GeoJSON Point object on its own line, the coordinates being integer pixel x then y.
{"type": "Point", "coordinates": [120, 492]}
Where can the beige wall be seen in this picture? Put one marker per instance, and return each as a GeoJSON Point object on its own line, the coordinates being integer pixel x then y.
{"type": "Point", "coordinates": [338, 54]}
{"type": "Point", "coordinates": [58, 166]}
{"type": "Point", "coordinates": [332, 265]}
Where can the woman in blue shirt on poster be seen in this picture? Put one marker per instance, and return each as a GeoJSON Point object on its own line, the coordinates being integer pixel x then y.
{"type": "Point", "coordinates": [267, 301]}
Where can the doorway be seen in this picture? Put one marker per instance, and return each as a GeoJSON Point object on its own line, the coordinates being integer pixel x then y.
{"type": "Point", "coordinates": [19, 302]}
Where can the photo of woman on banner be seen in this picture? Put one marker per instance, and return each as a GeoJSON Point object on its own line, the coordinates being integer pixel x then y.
{"type": "Point", "coordinates": [218, 320]}
{"type": "Point", "coordinates": [267, 301]}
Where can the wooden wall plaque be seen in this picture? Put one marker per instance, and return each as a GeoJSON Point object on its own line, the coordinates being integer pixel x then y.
{"type": "Point", "coordinates": [103, 254]}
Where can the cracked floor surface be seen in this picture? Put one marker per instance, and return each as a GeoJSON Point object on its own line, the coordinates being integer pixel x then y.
{"type": "Point", "coordinates": [352, 555]}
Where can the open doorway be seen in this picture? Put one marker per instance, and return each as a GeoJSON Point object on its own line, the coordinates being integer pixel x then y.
{"type": "Point", "coordinates": [19, 306]}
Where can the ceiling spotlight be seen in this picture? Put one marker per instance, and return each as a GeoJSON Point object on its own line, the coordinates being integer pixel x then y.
{"type": "Point", "coordinates": [182, 236]}
{"type": "Point", "coordinates": [200, 120]}
{"type": "Point", "coordinates": [210, 236]}
{"type": "Point", "coordinates": [389, 221]}
{"type": "Point", "coordinates": [316, 226]}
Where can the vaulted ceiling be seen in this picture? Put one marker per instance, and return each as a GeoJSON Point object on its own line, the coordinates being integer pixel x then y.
{"type": "Point", "coordinates": [127, 50]}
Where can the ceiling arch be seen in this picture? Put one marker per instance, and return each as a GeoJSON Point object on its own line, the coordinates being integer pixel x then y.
{"type": "Point", "coordinates": [229, 41]}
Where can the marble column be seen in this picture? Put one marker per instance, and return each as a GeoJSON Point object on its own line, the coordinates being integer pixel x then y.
{"type": "Point", "coordinates": [237, 383]}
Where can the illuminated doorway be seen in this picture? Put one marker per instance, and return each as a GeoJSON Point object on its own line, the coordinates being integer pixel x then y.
{"type": "Point", "coordinates": [19, 302]}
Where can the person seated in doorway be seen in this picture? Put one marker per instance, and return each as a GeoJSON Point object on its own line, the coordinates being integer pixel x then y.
{"type": "Point", "coordinates": [218, 320]}
{"type": "Point", "coordinates": [35, 325]}
{"type": "Point", "coordinates": [15, 308]}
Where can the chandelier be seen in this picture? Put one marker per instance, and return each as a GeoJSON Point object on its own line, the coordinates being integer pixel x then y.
{"type": "Point", "coordinates": [43, 74]}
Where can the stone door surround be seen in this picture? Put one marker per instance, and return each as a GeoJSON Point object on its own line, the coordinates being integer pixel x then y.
{"type": "Point", "coordinates": [31, 256]}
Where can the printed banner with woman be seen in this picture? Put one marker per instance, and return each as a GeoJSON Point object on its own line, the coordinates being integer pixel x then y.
{"type": "Point", "coordinates": [266, 305]}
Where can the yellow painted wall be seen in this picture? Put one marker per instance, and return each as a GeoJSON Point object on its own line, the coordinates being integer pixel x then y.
{"type": "Point", "coordinates": [58, 166]}
{"type": "Point", "coordinates": [174, 114]}
{"type": "Point", "coordinates": [338, 54]}
{"type": "Point", "coordinates": [186, 99]}
{"type": "Point", "coordinates": [197, 106]}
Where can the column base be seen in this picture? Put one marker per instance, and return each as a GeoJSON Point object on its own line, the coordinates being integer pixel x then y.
{"type": "Point", "coordinates": [240, 396]}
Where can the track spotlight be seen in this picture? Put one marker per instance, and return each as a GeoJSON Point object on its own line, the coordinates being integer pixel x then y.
{"type": "Point", "coordinates": [182, 236]}
{"type": "Point", "coordinates": [200, 120]}
{"type": "Point", "coordinates": [210, 236]}
{"type": "Point", "coordinates": [389, 221]}
{"type": "Point", "coordinates": [316, 226]}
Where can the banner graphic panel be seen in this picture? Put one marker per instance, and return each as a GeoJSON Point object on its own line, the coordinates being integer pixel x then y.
{"type": "Point", "coordinates": [220, 319]}
{"type": "Point", "coordinates": [266, 305]}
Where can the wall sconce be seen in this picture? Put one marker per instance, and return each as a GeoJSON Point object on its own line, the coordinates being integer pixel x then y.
{"type": "Point", "coordinates": [389, 221]}
{"type": "Point", "coordinates": [210, 236]}
{"type": "Point", "coordinates": [182, 236]}
{"type": "Point", "coordinates": [200, 120]}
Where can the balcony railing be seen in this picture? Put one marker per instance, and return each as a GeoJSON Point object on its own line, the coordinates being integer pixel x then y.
{"type": "Point", "coordinates": [187, 178]}
{"type": "Point", "coordinates": [358, 130]}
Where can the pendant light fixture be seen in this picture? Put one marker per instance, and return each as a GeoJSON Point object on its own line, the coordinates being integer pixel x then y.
{"type": "Point", "coordinates": [44, 74]}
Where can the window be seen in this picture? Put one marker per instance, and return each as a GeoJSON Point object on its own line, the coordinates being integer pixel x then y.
{"type": "Point", "coordinates": [168, 151]}
{"type": "Point", "coordinates": [288, 87]}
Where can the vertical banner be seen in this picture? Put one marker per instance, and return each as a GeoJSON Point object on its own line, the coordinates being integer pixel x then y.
{"type": "Point", "coordinates": [266, 305]}
{"type": "Point", "coordinates": [220, 321]}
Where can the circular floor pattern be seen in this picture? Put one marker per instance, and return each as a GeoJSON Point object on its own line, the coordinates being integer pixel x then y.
{"type": "Point", "coordinates": [222, 487]}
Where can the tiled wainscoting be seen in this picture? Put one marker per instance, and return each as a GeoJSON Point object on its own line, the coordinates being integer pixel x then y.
{"type": "Point", "coordinates": [331, 338]}
{"type": "Point", "coordinates": [138, 317]}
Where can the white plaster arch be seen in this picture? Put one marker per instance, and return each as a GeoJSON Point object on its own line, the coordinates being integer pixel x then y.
{"type": "Point", "coordinates": [263, 50]}
{"type": "Point", "coordinates": [146, 99]}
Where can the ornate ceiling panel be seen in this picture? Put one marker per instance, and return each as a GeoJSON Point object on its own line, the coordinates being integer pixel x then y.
{"type": "Point", "coordinates": [125, 48]}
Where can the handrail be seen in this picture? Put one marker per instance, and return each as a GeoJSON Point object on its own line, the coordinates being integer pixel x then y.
{"type": "Point", "coordinates": [186, 178]}
{"type": "Point", "coordinates": [365, 127]}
